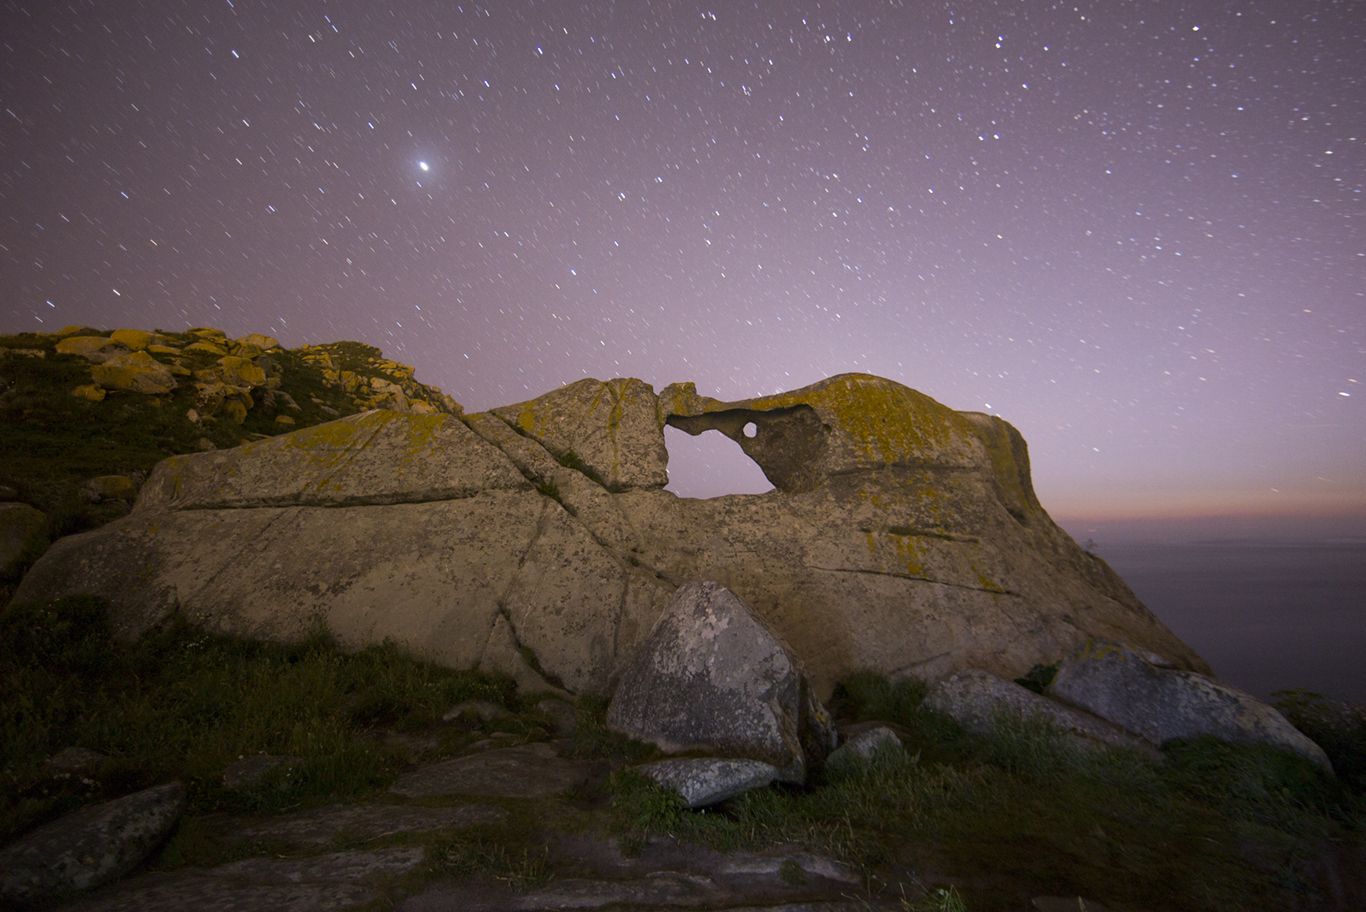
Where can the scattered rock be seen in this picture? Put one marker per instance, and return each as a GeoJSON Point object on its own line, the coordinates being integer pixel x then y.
{"type": "Point", "coordinates": [529, 771]}
{"type": "Point", "coordinates": [110, 487]}
{"type": "Point", "coordinates": [324, 883]}
{"type": "Point", "coordinates": [240, 372]}
{"type": "Point", "coordinates": [95, 349]}
{"type": "Point", "coordinates": [90, 392]}
{"type": "Point", "coordinates": [88, 847]}
{"type": "Point", "coordinates": [864, 747]}
{"type": "Point", "coordinates": [482, 710]}
{"type": "Point", "coordinates": [208, 348]}
{"type": "Point", "coordinates": [702, 781]}
{"type": "Point", "coordinates": [23, 532]}
{"type": "Point", "coordinates": [1165, 704]}
{"type": "Point", "coordinates": [259, 340]}
{"type": "Point", "coordinates": [80, 762]}
{"type": "Point", "coordinates": [138, 339]}
{"type": "Point", "coordinates": [284, 421]}
{"type": "Point", "coordinates": [247, 772]}
{"type": "Point", "coordinates": [978, 701]}
{"type": "Point", "coordinates": [712, 677]}
{"type": "Point", "coordinates": [563, 715]}
{"type": "Point", "coordinates": [363, 822]}
{"type": "Point", "coordinates": [136, 372]}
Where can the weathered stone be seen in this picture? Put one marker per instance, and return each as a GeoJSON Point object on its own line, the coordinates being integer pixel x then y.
{"type": "Point", "coordinates": [95, 349]}
{"type": "Point", "coordinates": [979, 701]}
{"type": "Point", "coordinates": [284, 421]}
{"type": "Point", "coordinates": [259, 340]}
{"type": "Point", "coordinates": [23, 532]}
{"type": "Point", "coordinates": [361, 822]}
{"type": "Point", "coordinates": [136, 372]}
{"type": "Point", "coordinates": [247, 772]}
{"type": "Point", "coordinates": [234, 410]}
{"type": "Point", "coordinates": [157, 348]}
{"type": "Point", "coordinates": [110, 487]}
{"type": "Point", "coordinates": [903, 537]}
{"type": "Point", "coordinates": [865, 747]}
{"type": "Point", "coordinates": [703, 781]}
{"type": "Point", "coordinates": [240, 372]}
{"type": "Point", "coordinates": [322, 883]}
{"type": "Point", "coordinates": [612, 431]}
{"type": "Point", "coordinates": [138, 339]}
{"type": "Point", "coordinates": [75, 761]}
{"type": "Point", "coordinates": [1166, 704]}
{"type": "Point", "coordinates": [530, 771]}
{"type": "Point", "coordinates": [208, 348]}
{"type": "Point", "coordinates": [479, 710]}
{"type": "Point", "coordinates": [90, 392]}
{"type": "Point", "coordinates": [712, 677]}
{"type": "Point", "coordinates": [88, 847]}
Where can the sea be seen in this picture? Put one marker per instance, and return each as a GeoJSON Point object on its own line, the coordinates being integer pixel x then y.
{"type": "Point", "coordinates": [1266, 615]}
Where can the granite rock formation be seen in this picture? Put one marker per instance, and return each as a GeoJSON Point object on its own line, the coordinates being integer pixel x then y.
{"type": "Point", "coordinates": [537, 539]}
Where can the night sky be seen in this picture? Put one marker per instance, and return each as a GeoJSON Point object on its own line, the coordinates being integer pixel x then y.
{"type": "Point", "coordinates": [1133, 229]}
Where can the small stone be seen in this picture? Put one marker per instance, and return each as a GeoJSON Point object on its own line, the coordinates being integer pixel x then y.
{"type": "Point", "coordinates": [284, 421]}
{"type": "Point", "coordinates": [482, 710]}
{"type": "Point", "coordinates": [247, 772]}
{"type": "Point", "coordinates": [110, 487]}
{"type": "Point", "coordinates": [90, 392]}
{"type": "Point", "coordinates": [865, 747]}
{"type": "Point", "coordinates": [703, 781]}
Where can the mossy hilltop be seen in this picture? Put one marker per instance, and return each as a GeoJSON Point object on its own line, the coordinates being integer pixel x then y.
{"type": "Point", "coordinates": [74, 407]}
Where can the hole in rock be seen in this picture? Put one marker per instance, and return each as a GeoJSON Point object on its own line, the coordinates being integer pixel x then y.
{"type": "Point", "coordinates": [710, 465]}
{"type": "Point", "coordinates": [751, 430]}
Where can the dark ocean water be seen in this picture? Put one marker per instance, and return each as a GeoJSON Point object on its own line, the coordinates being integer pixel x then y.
{"type": "Point", "coordinates": [1267, 616]}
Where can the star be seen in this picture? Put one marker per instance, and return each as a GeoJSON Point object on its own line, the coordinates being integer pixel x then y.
{"type": "Point", "coordinates": [423, 166]}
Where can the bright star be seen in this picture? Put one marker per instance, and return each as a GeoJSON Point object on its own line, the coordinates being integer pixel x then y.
{"type": "Point", "coordinates": [424, 166]}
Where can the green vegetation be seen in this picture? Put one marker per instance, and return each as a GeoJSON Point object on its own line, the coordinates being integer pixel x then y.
{"type": "Point", "coordinates": [999, 819]}
{"type": "Point", "coordinates": [1216, 826]}
{"type": "Point", "coordinates": [183, 703]}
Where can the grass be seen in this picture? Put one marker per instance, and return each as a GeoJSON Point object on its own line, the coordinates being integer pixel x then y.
{"type": "Point", "coordinates": [1019, 814]}
{"type": "Point", "coordinates": [1216, 826]}
{"type": "Point", "coordinates": [183, 703]}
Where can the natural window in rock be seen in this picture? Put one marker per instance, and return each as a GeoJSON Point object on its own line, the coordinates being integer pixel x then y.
{"type": "Point", "coordinates": [710, 465]}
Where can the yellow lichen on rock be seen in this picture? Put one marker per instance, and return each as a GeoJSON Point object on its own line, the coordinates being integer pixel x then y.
{"type": "Point", "coordinates": [95, 349]}
{"type": "Point", "coordinates": [136, 372]}
{"type": "Point", "coordinates": [89, 391]}
{"type": "Point", "coordinates": [137, 339]}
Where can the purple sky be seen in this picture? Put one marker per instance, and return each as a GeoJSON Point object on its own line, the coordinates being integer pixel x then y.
{"type": "Point", "coordinates": [1132, 229]}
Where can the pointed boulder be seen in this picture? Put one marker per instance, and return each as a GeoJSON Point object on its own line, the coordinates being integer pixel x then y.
{"type": "Point", "coordinates": [713, 677]}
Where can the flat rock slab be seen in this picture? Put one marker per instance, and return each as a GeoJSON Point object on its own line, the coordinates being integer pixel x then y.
{"type": "Point", "coordinates": [365, 822]}
{"type": "Point", "coordinates": [315, 884]}
{"type": "Point", "coordinates": [526, 771]}
{"type": "Point", "coordinates": [88, 847]}
{"type": "Point", "coordinates": [704, 781]}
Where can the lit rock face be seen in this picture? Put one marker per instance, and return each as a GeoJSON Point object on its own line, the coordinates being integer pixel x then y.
{"type": "Point", "coordinates": [712, 677]}
{"type": "Point", "coordinates": [537, 539]}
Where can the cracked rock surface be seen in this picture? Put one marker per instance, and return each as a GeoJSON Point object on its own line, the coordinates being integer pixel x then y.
{"type": "Point", "coordinates": [537, 539]}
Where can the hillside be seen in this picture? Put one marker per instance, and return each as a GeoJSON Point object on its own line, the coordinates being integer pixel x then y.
{"type": "Point", "coordinates": [86, 413]}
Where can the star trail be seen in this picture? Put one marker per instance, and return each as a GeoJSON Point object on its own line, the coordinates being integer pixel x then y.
{"type": "Point", "coordinates": [1133, 229]}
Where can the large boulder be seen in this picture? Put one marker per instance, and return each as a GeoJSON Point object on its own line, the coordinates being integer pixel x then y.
{"type": "Point", "coordinates": [136, 372]}
{"type": "Point", "coordinates": [89, 847]}
{"type": "Point", "coordinates": [1167, 704]}
{"type": "Point", "coordinates": [95, 349]}
{"type": "Point", "coordinates": [712, 677]}
{"type": "Point", "coordinates": [903, 537]}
